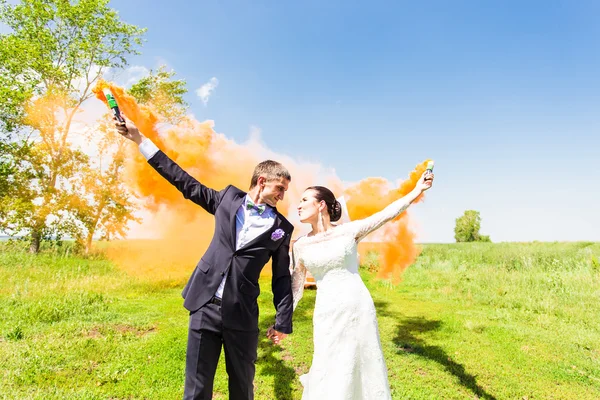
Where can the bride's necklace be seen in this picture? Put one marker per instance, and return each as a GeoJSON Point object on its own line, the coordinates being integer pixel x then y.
{"type": "Point", "coordinates": [322, 233]}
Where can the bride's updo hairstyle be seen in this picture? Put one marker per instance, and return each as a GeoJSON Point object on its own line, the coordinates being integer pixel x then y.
{"type": "Point", "coordinates": [334, 208]}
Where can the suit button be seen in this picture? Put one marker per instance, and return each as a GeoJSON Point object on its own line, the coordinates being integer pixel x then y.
{"type": "Point", "coordinates": [222, 273]}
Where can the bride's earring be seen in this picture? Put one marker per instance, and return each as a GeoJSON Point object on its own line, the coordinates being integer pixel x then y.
{"type": "Point", "coordinates": [320, 221]}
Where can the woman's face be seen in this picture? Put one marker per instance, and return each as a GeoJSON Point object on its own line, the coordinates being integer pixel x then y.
{"type": "Point", "coordinates": [309, 207]}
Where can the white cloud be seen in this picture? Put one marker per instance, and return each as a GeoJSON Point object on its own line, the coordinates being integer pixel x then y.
{"type": "Point", "coordinates": [132, 75]}
{"type": "Point", "coordinates": [125, 77]}
{"type": "Point", "coordinates": [206, 90]}
{"type": "Point", "coordinates": [255, 134]}
{"type": "Point", "coordinates": [80, 83]}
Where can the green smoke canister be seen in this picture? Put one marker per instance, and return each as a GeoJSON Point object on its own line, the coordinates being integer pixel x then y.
{"type": "Point", "coordinates": [112, 103]}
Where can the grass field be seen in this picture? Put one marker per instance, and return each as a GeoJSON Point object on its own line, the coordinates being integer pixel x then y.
{"type": "Point", "coordinates": [488, 321]}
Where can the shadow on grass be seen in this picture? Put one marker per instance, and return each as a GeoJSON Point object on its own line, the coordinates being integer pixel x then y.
{"type": "Point", "coordinates": [407, 340]}
{"type": "Point", "coordinates": [276, 366]}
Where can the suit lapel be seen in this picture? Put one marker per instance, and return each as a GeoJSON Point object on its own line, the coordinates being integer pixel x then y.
{"type": "Point", "coordinates": [235, 206]}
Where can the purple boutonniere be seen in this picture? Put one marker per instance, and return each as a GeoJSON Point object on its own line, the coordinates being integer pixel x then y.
{"type": "Point", "coordinates": [277, 234]}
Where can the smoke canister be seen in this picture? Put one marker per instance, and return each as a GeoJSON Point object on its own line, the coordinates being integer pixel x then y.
{"type": "Point", "coordinates": [112, 103]}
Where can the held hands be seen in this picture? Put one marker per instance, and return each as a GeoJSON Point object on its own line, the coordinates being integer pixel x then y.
{"type": "Point", "coordinates": [424, 182]}
{"type": "Point", "coordinates": [275, 336]}
{"type": "Point", "coordinates": [129, 131]}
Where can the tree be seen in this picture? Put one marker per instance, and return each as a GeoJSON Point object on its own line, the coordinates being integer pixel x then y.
{"type": "Point", "coordinates": [13, 183]}
{"type": "Point", "coordinates": [55, 52]}
{"type": "Point", "coordinates": [162, 93]}
{"type": "Point", "coordinates": [105, 206]}
{"type": "Point", "coordinates": [467, 228]}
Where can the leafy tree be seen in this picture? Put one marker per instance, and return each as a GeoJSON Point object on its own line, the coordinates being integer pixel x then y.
{"type": "Point", "coordinates": [162, 93]}
{"type": "Point", "coordinates": [55, 52]}
{"type": "Point", "coordinates": [467, 228]}
{"type": "Point", "coordinates": [105, 206]}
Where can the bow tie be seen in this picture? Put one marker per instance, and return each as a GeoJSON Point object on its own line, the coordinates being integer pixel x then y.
{"type": "Point", "coordinates": [259, 208]}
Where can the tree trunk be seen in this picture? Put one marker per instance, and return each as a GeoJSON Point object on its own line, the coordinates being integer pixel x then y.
{"type": "Point", "coordinates": [88, 242]}
{"type": "Point", "coordinates": [36, 238]}
{"type": "Point", "coordinates": [94, 225]}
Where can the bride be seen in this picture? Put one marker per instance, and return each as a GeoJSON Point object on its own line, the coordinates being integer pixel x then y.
{"type": "Point", "coordinates": [348, 360]}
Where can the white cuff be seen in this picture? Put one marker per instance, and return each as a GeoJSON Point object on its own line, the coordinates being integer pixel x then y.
{"type": "Point", "coordinates": [148, 148]}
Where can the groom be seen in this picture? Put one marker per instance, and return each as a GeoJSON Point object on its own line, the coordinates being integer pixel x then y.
{"type": "Point", "coordinates": [222, 291]}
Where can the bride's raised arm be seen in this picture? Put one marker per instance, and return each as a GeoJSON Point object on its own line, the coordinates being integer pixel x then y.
{"type": "Point", "coordinates": [363, 227]}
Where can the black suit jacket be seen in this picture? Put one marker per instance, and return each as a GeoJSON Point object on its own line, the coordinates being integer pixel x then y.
{"type": "Point", "coordinates": [239, 308]}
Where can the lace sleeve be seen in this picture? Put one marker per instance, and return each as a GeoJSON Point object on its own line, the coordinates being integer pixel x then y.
{"type": "Point", "coordinates": [367, 225]}
{"type": "Point", "coordinates": [298, 278]}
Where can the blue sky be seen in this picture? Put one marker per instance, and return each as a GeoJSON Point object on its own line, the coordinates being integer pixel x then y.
{"type": "Point", "coordinates": [503, 95]}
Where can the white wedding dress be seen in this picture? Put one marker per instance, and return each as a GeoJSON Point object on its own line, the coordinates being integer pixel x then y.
{"type": "Point", "coordinates": [348, 360]}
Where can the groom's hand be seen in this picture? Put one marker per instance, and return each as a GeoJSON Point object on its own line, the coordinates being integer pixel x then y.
{"type": "Point", "coordinates": [275, 336]}
{"type": "Point", "coordinates": [129, 130]}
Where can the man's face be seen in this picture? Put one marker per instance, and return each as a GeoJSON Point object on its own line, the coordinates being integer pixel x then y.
{"type": "Point", "coordinates": [272, 191]}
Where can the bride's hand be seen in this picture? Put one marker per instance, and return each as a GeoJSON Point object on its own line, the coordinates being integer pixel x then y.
{"type": "Point", "coordinates": [425, 181]}
{"type": "Point", "coordinates": [275, 336]}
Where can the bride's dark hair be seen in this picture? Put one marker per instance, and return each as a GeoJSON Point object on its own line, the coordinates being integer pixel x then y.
{"type": "Point", "coordinates": [334, 208]}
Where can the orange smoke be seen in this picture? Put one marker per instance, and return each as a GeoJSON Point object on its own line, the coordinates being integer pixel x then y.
{"type": "Point", "coordinates": [185, 230]}
{"type": "Point", "coordinates": [397, 250]}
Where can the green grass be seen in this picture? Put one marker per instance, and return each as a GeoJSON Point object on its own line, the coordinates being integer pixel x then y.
{"type": "Point", "coordinates": [489, 321]}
